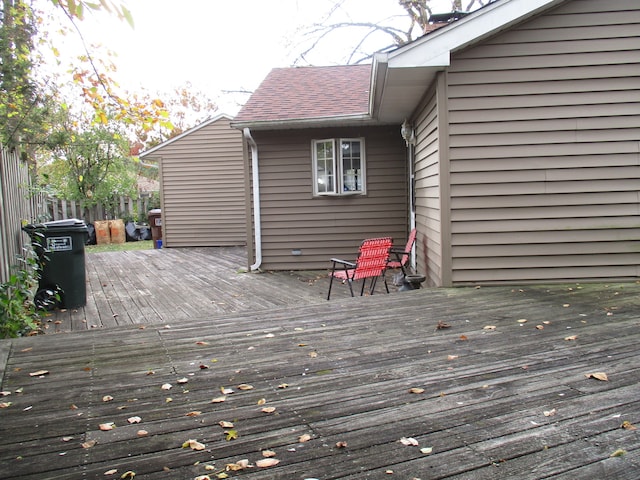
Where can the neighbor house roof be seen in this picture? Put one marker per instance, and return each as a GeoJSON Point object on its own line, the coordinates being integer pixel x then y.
{"type": "Point", "coordinates": [308, 95]}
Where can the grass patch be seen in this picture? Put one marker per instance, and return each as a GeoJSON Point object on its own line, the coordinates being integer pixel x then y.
{"type": "Point", "coordinates": [120, 247]}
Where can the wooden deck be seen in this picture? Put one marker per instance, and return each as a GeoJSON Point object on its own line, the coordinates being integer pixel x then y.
{"type": "Point", "coordinates": [503, 398]}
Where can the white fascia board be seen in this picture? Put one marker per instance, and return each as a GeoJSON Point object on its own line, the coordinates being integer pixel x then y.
{"type": "Point", "coordinates": [184, 134]}
{"type": "Point", "coordinates": [434, 49]}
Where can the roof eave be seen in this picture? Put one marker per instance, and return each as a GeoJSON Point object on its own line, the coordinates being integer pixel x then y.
{"type": "Point", "coordinates": [297, 123]}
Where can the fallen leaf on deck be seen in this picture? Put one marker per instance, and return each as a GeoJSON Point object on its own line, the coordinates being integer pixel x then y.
{"type": "Point", "coordinates": [107, 398]}
{"type": "Point", "coordinates": [183, 380]}
{"type": "Point", "coordinates": [128, 474]}
{"type": "Point", "coordinates": [142, 433]}
{"type": "Point", "coordinates": [268, 409]}
{"type": "Point", "coordinates": [231, 435]}
{"type": "Point", "coordinates": [523, 320]}
{"type": "Point", "coordinates": [463, 338]}
{"type": "Point", "coordinates": [166, 386]}
{"type": "Point", "coordinates": [452, 357]}
{"type": "Point", "coordinates": [262, 401]}
{"type": "Point", "coordinates": [627, 425]}
{"type": "Point", "coordinates": [134, 419]}
{"type": "Point", "coordinates": [618, 453]}
{"type": "Point", "coordinates": [539, 327]}
{"type": "Point", "coordinates": [225, 424]}
{"type": "Point", "coordinates": [416, 390]}
{"type": "Point", "coordinates": [409, 441]}
{"type": "Point", "coordinates": [39, 373]}
{"type": "Point", "coordinates": [598, 376]}
{"type": "Point", "coordinates": [193, 413]}
{"type": "Point", "coordinates": [89, 444]}
{"type": "Point", "coordinates": [549, 413]}
{"type": "Point", "coordinates": [341, 444]}
{"type": "Point", "coordinates": [426, 450]}
{"type": "Point", "coordinates": [571, 337]}
{"type": "Point", "coordinates": [203, 366]}
{"type": "Point", "coordinates": [202, 343]}
{"type": "Point", "coordinates": [313, 354]}
{"type": "Point", "coordinates": [442, 325]}
{"type": "Point", "coordinates": [113, 471]}
{"type": "Point", "coordinates": [67, 439]}
{"type": "Point", "coordinates": [244, 386]}
{"type": "Point", "coordinates": [283, 385]}
{"type": "Point", "coordinates": [203, 477]}
{"type": "Point", "coordinates": [226, 391]}
{"type": "Point", "coordinates": [218, 400]}
{"type": "Point", "coordinates": [268, 453]}
{"type": "Point", "coordinates": [193, 444]}
{"type": "Point", "coordinates": [5, 404]}
{"type": "Point", "coordinates": [240, 465]}
{"type": "Point", "coordinates": [107, 426]}
{"type": "Point", "coordinates": [489, 327]}
{"type": "Point", "coordinates": [304, 438]}
{"type": "Point", "coordinates": [267, 462]}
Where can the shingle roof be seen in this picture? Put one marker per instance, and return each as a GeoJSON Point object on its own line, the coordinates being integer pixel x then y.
{"type": "Point", "coordinates": [303, 93]}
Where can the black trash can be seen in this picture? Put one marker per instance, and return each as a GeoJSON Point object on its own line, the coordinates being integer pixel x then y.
{"type": "Point", "coordinates": [60, 249]}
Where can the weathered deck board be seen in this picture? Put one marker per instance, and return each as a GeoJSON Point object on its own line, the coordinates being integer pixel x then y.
{"type": "Point", "coordinates": [348, 364]}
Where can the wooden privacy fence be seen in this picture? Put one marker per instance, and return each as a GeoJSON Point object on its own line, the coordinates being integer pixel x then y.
{"type": "Point", "coordinates": [119, 208]}
{"type": "Point", "coordinates": [17, 207]}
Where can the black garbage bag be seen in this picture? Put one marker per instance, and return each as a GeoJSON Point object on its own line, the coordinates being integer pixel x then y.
{"type": "Point", "coordinates": [145, 233]}
{"type": "Point", "coordinates": [131, 232]}
{"type": "Point", "coordinates": [91, 230]}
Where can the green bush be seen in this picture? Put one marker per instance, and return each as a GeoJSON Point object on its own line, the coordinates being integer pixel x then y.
{"type": "Point", "coordinates": [19, 314]}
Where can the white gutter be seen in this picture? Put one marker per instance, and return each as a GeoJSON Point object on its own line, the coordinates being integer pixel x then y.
{"type": "Point", "coordinates": [256, 198]}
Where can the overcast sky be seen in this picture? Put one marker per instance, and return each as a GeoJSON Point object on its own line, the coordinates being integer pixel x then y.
{"type": "Point", "coordinates": [222, 45]}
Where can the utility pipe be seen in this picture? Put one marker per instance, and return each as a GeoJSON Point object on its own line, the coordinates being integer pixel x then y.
{"type": "Point", "coordinates": [256, 199]}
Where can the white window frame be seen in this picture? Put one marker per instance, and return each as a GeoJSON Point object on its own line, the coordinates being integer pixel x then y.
{"type": "Point", "coordinates": [337, 172]}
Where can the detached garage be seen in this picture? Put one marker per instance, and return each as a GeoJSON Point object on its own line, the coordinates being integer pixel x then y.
{"type": "Point", "coordinates": [202, 186]}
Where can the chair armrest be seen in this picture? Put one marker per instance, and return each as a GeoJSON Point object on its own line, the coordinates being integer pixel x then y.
{"type": "Point", "coordinates": [343, 262]}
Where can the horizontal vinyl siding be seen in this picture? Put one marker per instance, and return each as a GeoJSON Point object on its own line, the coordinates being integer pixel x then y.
{"type": "Point", "coordinates": [325, 227]}
{"type": "Point", "coordinates": [203, 194]}
{"type": "Point", "coordinates": [427, 185]}
{"type": "Point", "coordinates": [545, 149]}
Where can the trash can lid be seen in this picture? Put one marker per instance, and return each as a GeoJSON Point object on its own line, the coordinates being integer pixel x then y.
{"type": "Point", "coordinates": [68, 224]}
{"type": "Point", "coordinates": [155, 211]}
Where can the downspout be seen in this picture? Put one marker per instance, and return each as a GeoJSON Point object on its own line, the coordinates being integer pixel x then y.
{"type": "Point", "coordinates": [412, 197]}
{"type": "Point", "coordinates": [256, 199]}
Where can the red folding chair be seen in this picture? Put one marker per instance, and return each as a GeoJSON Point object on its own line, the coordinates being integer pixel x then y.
{"type": "Point", "coordinates": [371, 263]}
{"type": "Point", "coordinates": [402, 255]}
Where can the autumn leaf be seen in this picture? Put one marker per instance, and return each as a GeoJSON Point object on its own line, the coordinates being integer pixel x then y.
{"type": "Point", "coordinates": [224, 424]}
{"type": "Point", "coordinates": [489, 328]}
{"type": "Point", "coordinates": [452, 357]}
{"type": "Point", "coordinates": [539, 327]}
{"type": "Point", "coordinates": [134, 419]}
{"type": "Point", "coordinates": [107, 426]}
{"type": "Point", "coordinates": [193, 413]}
{"type": "Point", "coordinates": [89, 444]}
{"type": "Point", "coordinates": [218, 400]}
{"type": "Point", "coordinates": [113, 471]}
{"type": "Point", "coordinates": [463, 338]}
{"type": "Point", "coordinates": [598, 376]}
{"type": "Point", "coordinates": [304, 438]}
{"type": "Point", "coordinates": [442, 325]}
{"type": "Point", "coordinates": [267, 462]}
{"type": "Point", "coordinates": [39, 373]}
{"type": "Point", "coordinates": [166, 386]}
{"type": "Point", "coordinates": [571, 337]}
{"type": "Point", "coordinates": [549, 413]}
{"type": "Point", "coordinates": [193, 444]}
{"type": "Point", "coordinates": [231, 435]}
{"type": "Point", "coordinates": [239, 465]}
{"type": "Point", "coordinates": [618, 453]}
{"type": "Point", "coordinates": [5, 404]}
{"type": "Point", "coordinates": [142, 433]}
{"type": "Point", "coordinates": [627, 425]}
{"type": "Point", "coordinates": [128, 474]}
{"type": "Point", "coordinates": [268, 409]}
{"type": "Point", "coordinates": [341, 444]}
{"type": "Point", "coordinates": [268, 453]}
{"type": "Point", "coordinates": [244, 386]}
{"type": "Point", "coordinates": [262, 401]}
{"type": "Point", "coordinates": [282, 386]}
{"type": "Point", "coordinates": [226, 391]}
{"type": "Point", "coordinates": [313, 354]}
{"type": "Point", "coordinates": [522, 320]}
{"type": "Point", "coordinates": [426, 450]}
{"type": "Point", "coordinates": [183, 380]}
{"type": "Point", "coordinates": [416, 390]}
{"type": "Point", "coordinates": [202, 343]}
{"type": "Point", "coordinates": [409, 441]}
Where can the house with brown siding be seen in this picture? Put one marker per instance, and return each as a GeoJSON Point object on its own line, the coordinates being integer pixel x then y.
{"type": "Point", "coordinates": [202, 186]}
{"type": "Point", "coordinates": [522, 160]}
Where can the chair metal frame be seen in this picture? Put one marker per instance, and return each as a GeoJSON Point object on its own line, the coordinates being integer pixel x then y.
{"type": "Point", "coordinates": [373, 257]}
